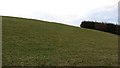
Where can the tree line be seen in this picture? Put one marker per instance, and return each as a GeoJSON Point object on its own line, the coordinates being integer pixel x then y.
{"type": "Point", "coordinates": [106, 27]}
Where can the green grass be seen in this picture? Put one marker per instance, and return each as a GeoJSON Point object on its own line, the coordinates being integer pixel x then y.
{"type": "Point", "coordinates": [28, 42]}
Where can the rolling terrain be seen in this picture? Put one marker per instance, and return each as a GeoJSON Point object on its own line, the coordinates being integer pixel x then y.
{"type": "Point", "coordinates": [28, 42]}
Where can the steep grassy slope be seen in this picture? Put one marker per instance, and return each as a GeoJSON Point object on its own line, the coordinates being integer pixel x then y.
{"type": "Point", "coordinates": [34, 43]}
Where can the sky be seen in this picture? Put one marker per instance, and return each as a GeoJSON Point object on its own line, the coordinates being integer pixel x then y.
{"type": "Point", "coordinates": [70, 12]}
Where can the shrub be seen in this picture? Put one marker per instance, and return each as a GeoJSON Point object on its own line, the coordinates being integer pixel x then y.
{"type": "Point", "coordinates": [107, 27]}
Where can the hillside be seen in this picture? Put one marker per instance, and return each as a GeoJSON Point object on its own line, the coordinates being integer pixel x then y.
{"type": "Point", "coordinates": [28, 42]}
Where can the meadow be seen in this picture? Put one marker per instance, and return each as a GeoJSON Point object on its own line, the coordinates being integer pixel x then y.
{"type": "Point", "coordinates": [28, 42]}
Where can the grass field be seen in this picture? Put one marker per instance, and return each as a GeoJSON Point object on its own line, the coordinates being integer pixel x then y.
{"type": "Point", "coordinates": [28, 42]}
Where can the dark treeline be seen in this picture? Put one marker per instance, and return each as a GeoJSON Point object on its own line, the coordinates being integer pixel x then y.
{"type": "Point", "coordinates": [106, 27]}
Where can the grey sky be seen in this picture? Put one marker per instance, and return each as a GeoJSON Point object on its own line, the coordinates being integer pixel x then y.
{"type": "Point", "coordinates": [70, 12]}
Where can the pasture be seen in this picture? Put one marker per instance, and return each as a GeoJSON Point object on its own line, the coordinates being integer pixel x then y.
{"type": "Point", "coordinates": [28, 42]}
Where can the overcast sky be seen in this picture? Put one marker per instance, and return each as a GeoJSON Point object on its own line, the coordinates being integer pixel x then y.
{"type": "Point", "coordinates": [70, 12]}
